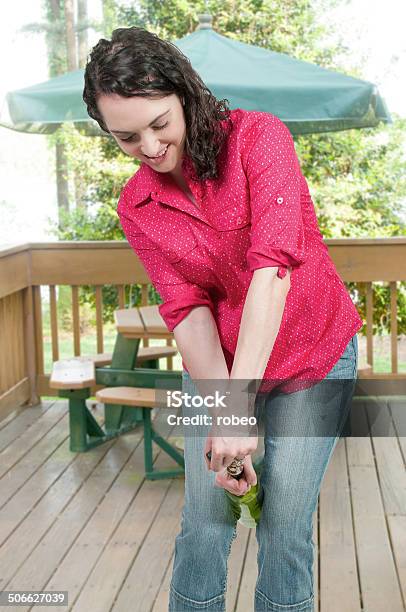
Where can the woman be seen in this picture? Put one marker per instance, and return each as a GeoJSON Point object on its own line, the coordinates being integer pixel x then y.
{"type": "Point", "coordinates": [222, 219]}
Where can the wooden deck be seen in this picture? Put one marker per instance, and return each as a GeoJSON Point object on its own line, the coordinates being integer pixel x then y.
{"type": "Point", "coordinates": [90, 524]}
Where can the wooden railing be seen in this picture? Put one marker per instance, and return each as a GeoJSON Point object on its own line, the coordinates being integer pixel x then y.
{"type": "Point", "coordinates": [24, 269]}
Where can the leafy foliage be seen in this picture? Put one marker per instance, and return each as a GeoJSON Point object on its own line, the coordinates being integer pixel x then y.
{"type": "Point", "coordinates": [358, 181]}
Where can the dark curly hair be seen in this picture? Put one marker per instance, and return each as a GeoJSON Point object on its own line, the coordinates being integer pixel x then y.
{"type": "Point", "coordinates": [136, 62]}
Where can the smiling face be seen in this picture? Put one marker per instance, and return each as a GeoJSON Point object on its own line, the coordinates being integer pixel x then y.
{"type": "Point", "coordinates": [144, 128]}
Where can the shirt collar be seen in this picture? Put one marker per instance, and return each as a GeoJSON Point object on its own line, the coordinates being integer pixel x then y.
{"type": "Point", "coordinates": [150, 183]}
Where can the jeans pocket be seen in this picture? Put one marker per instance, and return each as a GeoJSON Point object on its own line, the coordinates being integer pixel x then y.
{"type": "Point", "coordinates": [355, 349]}
{"type": "Point", "coordinates": [346, 366]}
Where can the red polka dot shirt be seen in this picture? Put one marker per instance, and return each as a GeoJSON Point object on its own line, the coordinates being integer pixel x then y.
{"type": "Point", "coordinates": [258, 213]}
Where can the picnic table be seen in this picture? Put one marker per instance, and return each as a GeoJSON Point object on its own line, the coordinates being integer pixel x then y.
{"type": "Point", "coordinates": [129, 378]}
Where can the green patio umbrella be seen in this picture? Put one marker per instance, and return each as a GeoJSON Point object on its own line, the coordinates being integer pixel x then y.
{"type": "Point", "coordinates": [306, 97]}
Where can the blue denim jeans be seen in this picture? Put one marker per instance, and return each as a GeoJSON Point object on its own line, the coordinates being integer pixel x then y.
{"type": "Point", "coordinates": [292, 471]}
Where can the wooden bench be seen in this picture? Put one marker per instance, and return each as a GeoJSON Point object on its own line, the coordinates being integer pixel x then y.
{"type": "Point", "coordinates": [75, 373]}
{"type": "Point", "coordinates": [74, 377]}
{"type": "Point", "coordinates": [145, 398]}
{"type": "Point", "coordinates": [145, 353]}
{"type": "Point", "coordinates": [129, 365]}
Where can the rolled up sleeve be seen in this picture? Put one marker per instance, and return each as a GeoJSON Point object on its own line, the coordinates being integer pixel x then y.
{"type": "Point", "coordinates": [179, 296]}
{"type": "Point", "coordinates": [274, 178]}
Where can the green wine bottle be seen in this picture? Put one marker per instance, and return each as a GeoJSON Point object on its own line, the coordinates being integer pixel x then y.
{"type": "Point", "coordinates": [246, 508]}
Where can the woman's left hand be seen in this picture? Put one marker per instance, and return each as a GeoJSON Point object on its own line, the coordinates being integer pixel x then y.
{"type": "Point", "coordinates": [225, 449]}
{"type": "Point", "coordinates": [241, 486]}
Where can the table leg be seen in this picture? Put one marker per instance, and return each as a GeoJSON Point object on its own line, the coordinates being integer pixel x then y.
{"type": "Point", "coordinates": [85, 431]}
{"type": "Point", "coordinates": [124, 357]}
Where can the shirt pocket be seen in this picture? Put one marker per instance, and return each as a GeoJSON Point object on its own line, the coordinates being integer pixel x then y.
{"type": "Point", "coordinates": [179, 244]}
{"type": "Point", "coordinates": [171, 230]}
{"type": "Point", "coordinates": [233, 229]}
{"type": "Point", "coordinates": [161, 264]}
{"type": "Point", "coordinates": [173, 248]}
{"type": "Point", "coordinates": [141, 242]}
{"type": "Point", "coordinates": [232, 218]}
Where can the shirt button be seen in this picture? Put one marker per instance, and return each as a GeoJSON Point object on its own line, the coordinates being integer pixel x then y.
{"type": "Point", "coordinates": [281, 273]}
{"type": "Point", "coordinates": [279, 200]}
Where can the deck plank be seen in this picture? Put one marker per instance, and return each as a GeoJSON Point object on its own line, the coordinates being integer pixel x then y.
{"type": "Point", "coordinates": [397, 528]}
{"type": "Point", "coordinates": [141, 585]}
{"type": "Point", "coordinates": [24, 410]}
{"type": "Point", "coordinates": [34, 487]}
{"type": "Point", "coordinates": [9, 417]}
{"type": "Point", "coordinates": [338, 571]}
{"type": "Point", "coordinates": [398, 410]}
{"type": "Point", "coordinates": [109, 564]}
{"type": "Point", "coordinates": [29, 450]}
{"type": "Point", "coordinates": [378, 579]}
{"type": "Point", "coordinates": [359, 449]}
{"type": "Point", "coordinates": [41, 458]}
{"type": "Point", "coordinates": [40, 507]}
{"type": "Point", "coordinates": [391, 472]}
{"type": "Point", "coordinates": [14, 424]}
{"type": "Point", "coordinates": [316, 558]}
{"type": "Point", "coordinates": [236, 562]}
{"type": "Point", "coordinates": [79, 568]}
{"type": "Point", "coordinates": [162, 600]}
{"type": "Point", "coordinates": [60, 532]}
{"type": "Point", "coordinates": [248, 581]}
{"type": "Point", "coordinates": [113, 565]}
{"type": "Point", "coordinates": [26, 415]}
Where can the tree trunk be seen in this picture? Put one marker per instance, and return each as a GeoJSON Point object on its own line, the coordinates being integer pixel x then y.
{"type": "Point", "coordinates": [73, 65]}
{"type": "Point", "coordinates": [70, 35]}
{"type": "Point", "coordinates": [82, 33]}
{"type": "Point", "coordinates": [56, 66]}
{"type": "Point", "coordinates": [62, 185]}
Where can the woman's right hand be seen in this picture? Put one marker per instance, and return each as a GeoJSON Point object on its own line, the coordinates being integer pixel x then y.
{"type": "Point", "coordinates": [241, 486]}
